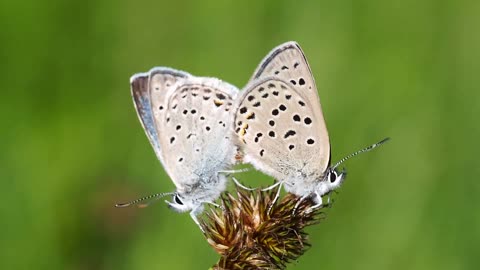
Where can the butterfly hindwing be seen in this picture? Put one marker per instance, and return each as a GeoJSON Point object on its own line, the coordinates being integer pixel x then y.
{"type": "Point", "coordinates": [196, 130]}
{"type": "Point", "coordinates": [277, 130]}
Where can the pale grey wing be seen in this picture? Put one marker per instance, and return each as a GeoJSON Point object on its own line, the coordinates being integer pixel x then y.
{"type": "Point", "coordinates": [141, 100]}
{"type": "Point", "coordinates": [162, 81]}
{"type": "Point", "coordinates": [142, 94]}
{"type": "Point", "coordinates": [288, 63]}
{"type": "Point", "coordinates": [280, 132]}
{"type": "Point", "coordinates": [197, 135]}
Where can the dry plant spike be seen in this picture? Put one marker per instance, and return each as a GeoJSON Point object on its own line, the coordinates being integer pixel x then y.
{"type": "Point", "coordinates": [248, 237]}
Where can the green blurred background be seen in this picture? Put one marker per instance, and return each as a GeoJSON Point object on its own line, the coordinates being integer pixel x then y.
{"type": "Point", "coordinates": [71, 144]}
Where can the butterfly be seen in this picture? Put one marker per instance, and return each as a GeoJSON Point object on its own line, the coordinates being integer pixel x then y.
{"type": "Point", "coordinates": [281, 128]}
{"type": "Point", "coordinates": [188, 122]}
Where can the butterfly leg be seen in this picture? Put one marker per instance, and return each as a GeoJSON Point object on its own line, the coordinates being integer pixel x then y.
{"type": "Point", "coordinates": [235, 171]}
{"type": "Point", "coordinates": [330, 200]}
{"type": "Point", "coordinates": [216, 205]}
{"type": "Point", "coordinates": [299, 202]}
{"type": "Point", "coordinates": [277, 195]}
{"type": "Point", "coordinates": [240, 184]}
{"type": "Point", "coordinates": [272, 186]}
{"type": "Point", "coordinates": [319, 202]}
{"type": "Point", "coordinates": [194, 213]}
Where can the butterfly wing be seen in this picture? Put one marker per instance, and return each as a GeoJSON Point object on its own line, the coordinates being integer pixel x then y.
{"type": "Point", "coordinates": [279, 120]}
{"type": "Point", "coordinates": [197, 139]}
{"type": "Point", "coordinates": [149, 91]}
{"type": "Point", "coordinates": [287, 62]}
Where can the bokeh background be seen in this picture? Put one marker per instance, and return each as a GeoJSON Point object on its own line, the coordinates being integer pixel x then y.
{"type": "Point", "coordinates": [71, 145]}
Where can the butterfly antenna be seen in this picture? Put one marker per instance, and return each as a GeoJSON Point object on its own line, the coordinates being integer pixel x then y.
{"type": "Point", "coordinates": [371, 147]}
{"type": "Point", "coordinates": [150, 197]}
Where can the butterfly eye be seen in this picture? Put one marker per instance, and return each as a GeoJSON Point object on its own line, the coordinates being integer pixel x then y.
{"type": "Point", "coordinates": [177, 200]}
{"type": "Point", "coordinates": [333, 176]}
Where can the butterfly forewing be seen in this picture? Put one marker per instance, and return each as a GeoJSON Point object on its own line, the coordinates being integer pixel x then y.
{"type": "Point", "coordinates": [196, 130]}
{"type": "Point", "coordinates": [287, 62]}
{"type": "Point", "coordinates": [287, 134]}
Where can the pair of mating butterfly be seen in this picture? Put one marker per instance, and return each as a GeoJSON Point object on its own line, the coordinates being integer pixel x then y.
{"type": "Point", "coordinates": [199, 127]}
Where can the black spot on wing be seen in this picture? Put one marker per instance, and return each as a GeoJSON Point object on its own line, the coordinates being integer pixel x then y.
{"type": "Point", "coordinates": [307, 120]}
{"type": "Point", "coordinates": [289, 133]}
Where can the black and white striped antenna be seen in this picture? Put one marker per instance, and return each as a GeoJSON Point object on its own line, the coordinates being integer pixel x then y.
{"type": "Point", "coordinates": [366, 149]}
{"type": "Point", "coordinates": [149, 197]}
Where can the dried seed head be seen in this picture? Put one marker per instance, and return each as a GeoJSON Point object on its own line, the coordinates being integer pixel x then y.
{"type": "Point", "coordinates": [248, 237]}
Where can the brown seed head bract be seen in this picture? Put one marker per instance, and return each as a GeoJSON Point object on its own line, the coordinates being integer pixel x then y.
{"type": "Point", "coordinates": [248, 237]}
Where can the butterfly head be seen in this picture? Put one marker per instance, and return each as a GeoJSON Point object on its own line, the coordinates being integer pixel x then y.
{"type": "Point", "coordinates": [180, 203]}
{"type": "Point", "coordinates": [334, 178]}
